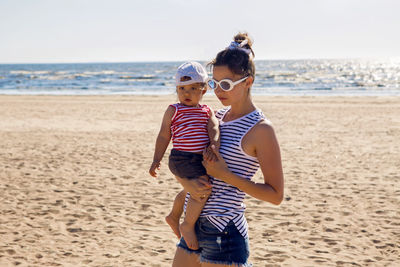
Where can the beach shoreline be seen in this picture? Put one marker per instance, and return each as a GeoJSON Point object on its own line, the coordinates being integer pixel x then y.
{"type": "Point", "coordinates": [74, 187]}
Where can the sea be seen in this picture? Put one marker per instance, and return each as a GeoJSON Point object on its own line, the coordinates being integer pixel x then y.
{"type": "Point", "coordinates": [364, 77]}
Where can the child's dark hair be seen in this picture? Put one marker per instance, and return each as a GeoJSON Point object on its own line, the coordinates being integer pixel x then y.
{"type": "Point", "coordinates": [237, 60]}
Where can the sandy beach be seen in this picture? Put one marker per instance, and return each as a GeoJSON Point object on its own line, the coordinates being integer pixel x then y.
{"type": "Point", "coordinates": [74, 187]}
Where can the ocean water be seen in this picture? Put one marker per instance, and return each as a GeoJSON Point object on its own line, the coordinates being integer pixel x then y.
{"type": "Point", "coordinates": [273, 77]}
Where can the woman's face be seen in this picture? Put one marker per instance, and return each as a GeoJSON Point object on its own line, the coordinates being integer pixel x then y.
{"type": "Point", "coordinates": [238, 93]}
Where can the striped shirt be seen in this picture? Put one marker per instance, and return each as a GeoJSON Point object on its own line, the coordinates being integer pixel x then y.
{"type": "Point", "coordinates": [189, 127]}
{"type": "Point", "coordinates": [225, 203]}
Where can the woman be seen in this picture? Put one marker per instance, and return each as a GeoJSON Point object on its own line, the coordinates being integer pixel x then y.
{"type": "Point", "coordinates": [248, 142]}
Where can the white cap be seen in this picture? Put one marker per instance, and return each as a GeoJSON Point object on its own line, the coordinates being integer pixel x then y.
{"type": "Point", "coordinates": [192, 69]}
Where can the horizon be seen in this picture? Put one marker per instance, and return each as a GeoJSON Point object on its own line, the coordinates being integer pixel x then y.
{"type": "Point", "coordinates": [395, 58]}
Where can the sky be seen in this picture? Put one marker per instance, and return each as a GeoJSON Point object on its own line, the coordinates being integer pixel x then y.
{"type": "Point", "coordinates": [62, 31]}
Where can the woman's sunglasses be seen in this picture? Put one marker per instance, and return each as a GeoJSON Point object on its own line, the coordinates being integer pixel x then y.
{"type": "Point", "coordinates": [225, 84]}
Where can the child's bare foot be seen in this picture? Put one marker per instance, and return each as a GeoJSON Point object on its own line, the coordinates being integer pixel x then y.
{"type": "Point", "coordinates": [173, 222]}
{"type": "Point", "coordinates": [189, 235]}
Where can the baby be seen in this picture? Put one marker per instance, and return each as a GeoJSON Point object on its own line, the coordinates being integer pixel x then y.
{"type": "Point", "coordinates": [192, 127]}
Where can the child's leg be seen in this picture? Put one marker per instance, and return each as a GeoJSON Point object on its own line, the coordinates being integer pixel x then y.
{"type": "Point", "coordinates": [193, 210]}
{"type": "Point", "coordinates": [177, 209]}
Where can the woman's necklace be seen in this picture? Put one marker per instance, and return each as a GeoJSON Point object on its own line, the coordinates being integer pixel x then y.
{"type": "Point", "coordinates": [230, 117]}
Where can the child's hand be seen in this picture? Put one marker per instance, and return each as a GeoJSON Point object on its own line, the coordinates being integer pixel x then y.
{"type": "Point", "coordinates": [154, 166]}
{"type": "Point", "coordinates": [217, 168]}
{"type": "Point", "coordinates": [209, 154]}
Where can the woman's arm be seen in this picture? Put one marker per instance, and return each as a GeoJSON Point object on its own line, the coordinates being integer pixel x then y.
{"type": "Point", "coordinates": [263, 141]}
{"type": "Point", "coordinates": [163, 139]}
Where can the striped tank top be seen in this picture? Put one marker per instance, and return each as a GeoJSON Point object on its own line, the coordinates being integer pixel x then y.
{"type": "Point", "coordinates": [189, 128]}
{"type": "Point", "coordinates": [225, 203]}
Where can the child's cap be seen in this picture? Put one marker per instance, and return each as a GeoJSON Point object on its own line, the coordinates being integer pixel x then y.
{"type": "Point", "coordinates": [190, 72]}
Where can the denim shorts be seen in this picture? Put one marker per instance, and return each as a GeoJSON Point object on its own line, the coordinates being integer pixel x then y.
{"type": "Point", "coordinates": [186, 164]}
{"type": "Point", "coordinates": [228, 247]}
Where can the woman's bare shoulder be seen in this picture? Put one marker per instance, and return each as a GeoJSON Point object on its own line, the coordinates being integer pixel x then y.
{"type": "Point", "coordinates": [262, 135]}
{"type": "Point", "coordinates": [263, 128]}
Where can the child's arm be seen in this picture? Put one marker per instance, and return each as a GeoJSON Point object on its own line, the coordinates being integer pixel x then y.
{"type": "Point", "coordinates": [213, 133]}
{"type": "Point", "coordinates": [213, 129]}
{"type": "Point", "coordinates": [163, 139]}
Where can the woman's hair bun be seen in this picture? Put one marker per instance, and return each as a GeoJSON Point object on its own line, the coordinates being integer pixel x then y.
{"type": "Point", "coordinates": [242, 36]}
{"type": "Point", "coordinates": [238, 56]}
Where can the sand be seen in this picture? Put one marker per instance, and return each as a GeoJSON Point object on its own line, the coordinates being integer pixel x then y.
{"type": "Point", "coordinates": [74, 187]}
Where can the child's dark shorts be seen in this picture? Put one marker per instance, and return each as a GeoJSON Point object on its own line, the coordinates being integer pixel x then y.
{"type": "Point", "coordinates": [186, 164]}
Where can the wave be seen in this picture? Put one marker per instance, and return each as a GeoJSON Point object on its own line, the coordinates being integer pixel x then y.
{"type": "Point", "coordinates": [280, 76]}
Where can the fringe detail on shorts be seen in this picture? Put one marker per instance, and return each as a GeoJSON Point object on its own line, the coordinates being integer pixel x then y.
{"type": "Point", "coordinates": [188, 250]}
{"type": "Point", "coordinates": [235, 264]}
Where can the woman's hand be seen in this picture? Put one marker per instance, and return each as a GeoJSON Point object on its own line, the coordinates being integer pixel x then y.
{"type": "Point", "coordinates": [216, 168]}
{"type": "Point", "coordinates": [198, 188]}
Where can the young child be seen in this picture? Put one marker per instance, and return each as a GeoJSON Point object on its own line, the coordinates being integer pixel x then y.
{"type": "Point", "coordinates": [192, 127]}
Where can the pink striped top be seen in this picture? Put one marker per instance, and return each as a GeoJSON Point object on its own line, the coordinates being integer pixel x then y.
{"type": "Point", "coordinates": [189, 128]}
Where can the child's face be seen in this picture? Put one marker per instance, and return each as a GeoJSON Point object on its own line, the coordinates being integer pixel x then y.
{"type": "Point", "coordinates": [190, 95]}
